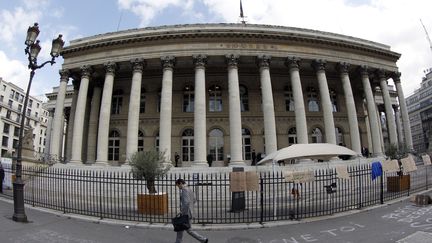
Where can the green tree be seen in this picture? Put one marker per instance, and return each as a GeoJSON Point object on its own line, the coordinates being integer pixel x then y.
{"type": "Point", "coordinates": [148, 166]}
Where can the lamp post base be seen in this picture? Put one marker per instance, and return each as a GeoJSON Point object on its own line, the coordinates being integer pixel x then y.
{"type": "Point", "coordinates": [18, 195]}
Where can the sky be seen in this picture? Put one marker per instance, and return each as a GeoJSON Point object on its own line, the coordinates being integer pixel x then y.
{"type": "Point", "coordinates": [392, 22]}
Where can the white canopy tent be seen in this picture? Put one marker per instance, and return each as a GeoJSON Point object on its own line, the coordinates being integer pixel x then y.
{"type": "Point", "coordinates": [323, 151]}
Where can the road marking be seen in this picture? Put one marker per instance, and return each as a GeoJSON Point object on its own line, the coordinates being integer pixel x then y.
{"type": "Point", "coordinates": [417, 237]}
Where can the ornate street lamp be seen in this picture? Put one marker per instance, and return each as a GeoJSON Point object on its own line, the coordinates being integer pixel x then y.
{"type": "Point", "coordinates": [32, 50]}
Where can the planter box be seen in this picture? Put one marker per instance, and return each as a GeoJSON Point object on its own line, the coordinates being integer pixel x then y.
{"type": "Point", "coordinates": [398, 183]}
{"type": "Point", "coordinates": [152, 203]}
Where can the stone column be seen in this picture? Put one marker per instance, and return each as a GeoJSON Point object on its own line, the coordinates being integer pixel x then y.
{"type": "Point", "coordinates": [351, 108]}
{"type": "Point", "coordinates": [200, 136]}
{"type": "Point", "coordinates": [48, 137]}
{"type": "Point", "coordinates": [77, 136]}
{"type": "Point", "coordinates": [373, 121]}
{"type": "Point", "coordinates": [57, 131]}
{"type": "Point", "coordinates": [330, 133]}
{"type": "Point", "coordinates": [404, 111]}
{"type": "Point", "coordinates": [104, 115]}
{"type": "Point", "coordinates": [300, 114]}
{"type": "Point", "coordinates": [168, 63]}
{"type": "Point", "coordinates": [70, 123]}
{"type": "Point", "coordinates": [267, 104]}
{"type": "Point", "coordinates": [134, 108]}
{"type": "Point", "coordinates": [391, 124]}
{"type": "Point", "coordinates": [93, 124]}
{"type": "Point", "coordinates": [398, 124]}
{"type": "Point", "coordinates": [234, 112]}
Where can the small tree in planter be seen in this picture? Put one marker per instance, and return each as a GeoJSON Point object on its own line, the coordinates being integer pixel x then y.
{"type": "Point", "coordinates": [393, 152]}
{"type": "Point", "coordinates": [148, 166]}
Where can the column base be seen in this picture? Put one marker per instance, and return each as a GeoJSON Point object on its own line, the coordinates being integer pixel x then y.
{"type": "Point", "coordinates": [200, 164]}
{"type": "Point", "coordinates": [75, 162]}
{"type": "Point", "coordinates": [101, 163]}
{"type": "Point", "coordinates": [240, 163]}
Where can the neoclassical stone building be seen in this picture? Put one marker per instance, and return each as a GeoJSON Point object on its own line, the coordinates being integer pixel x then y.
{"type": "Point", "coordinates": [222, 89]}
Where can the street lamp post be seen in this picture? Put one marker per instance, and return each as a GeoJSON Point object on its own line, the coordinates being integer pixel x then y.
{"type": "Point", "coordinates": [32, 50]}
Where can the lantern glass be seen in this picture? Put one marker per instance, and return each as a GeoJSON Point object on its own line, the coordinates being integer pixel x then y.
{"type": "Point", "coordinates": [32, 34]}
{"type": "Point", "coordinates": [34, 50]}
{"type": "Point", "coordinates": [57, 46]}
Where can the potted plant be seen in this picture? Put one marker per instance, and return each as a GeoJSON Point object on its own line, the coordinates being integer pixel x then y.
{"type": "Point", "coordinates": [148, 166]}
{"type": "Point", "coordinates": [400, 182]}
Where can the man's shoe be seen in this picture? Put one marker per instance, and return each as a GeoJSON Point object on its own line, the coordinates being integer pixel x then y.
{"type": "Point", "coordinates": [206, 240]}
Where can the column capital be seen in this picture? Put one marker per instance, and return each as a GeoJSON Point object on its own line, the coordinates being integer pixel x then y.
{"type": "Point", "coordinates": [86, 71]}
{"type": "Point", "coordinates": [110, 67]}
{"type": "Point", "coordinates": [263, 61]}
{"type": "Point", "coordinates": [381, 73]}
{"type": "Point", "coordinates": [138, 64]}
{"type": "Point", "coordinates": [292, 62]}
{"type": "Point", "coordinates": [64, 75]}
{"type": "Point", "coordinates": [199, 60]}
{"type": "Point", "coordinates": [396, 77]}
{"type": "Point", "coordinates": [319, 65]}
{"type": "Point", "coordinates": [364, 70]}
{"type": "Point", "coordinates": [232, 60]}
{"type": "Point", "coordinates": [343, 67]}
{"type": "Point", "coordinates": [168, 61]}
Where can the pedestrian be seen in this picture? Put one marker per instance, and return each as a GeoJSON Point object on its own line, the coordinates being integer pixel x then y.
{"type": "Point", "coordinates": [209, 159]}
{"type": "Point", "coordinates": [2, 176]}
{"type": "Point", "coordinates": [253, 157]}
{"type": "Point", "coordinates": [176, 158]}
{"type": "Point", "coordinates": [187, 201]}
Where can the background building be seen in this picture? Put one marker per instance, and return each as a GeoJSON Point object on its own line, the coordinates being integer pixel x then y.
{"type": "Point", "coordinates": [224, 90]}
{"type": "Point", "coordinates": [420, 113]}
{"type": "Point", "coordinates": [11, 105]}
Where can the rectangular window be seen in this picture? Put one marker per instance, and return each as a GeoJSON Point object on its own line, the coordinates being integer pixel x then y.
{"type": "Point", "coordinates": [188, 102]}
{"type": "Point", "coordinates": [19, 107]}
{"type": "Point", "coordinates": [5, 141]}
{"type": "Point", "coordinates": [28, 112]}
{"type": "Point", "coordinates": [16, 131]}
{"type": "Point", "coordinates": [10, 103]}
{"type": "Point", "coordinates": [8, 114]}
{"type": "Point", "coordinates": [30, 104]}
{"type": "Point", "coordinates": [6, 128]}
{"type": "Point", "coordinates": [37, 105]}
{"type": "Point", "coordinates": [142, 103]}
{"type": "Point", "coordinates": [12, 94]}
{"type": "Point", "coordinates": [4, 87]}
{"type": "Point", "coordinates": [15, 143]}
{"type": "Point", "coordinates": [1, 98]}
{"type": "Point", "coordinates": [17, 96]}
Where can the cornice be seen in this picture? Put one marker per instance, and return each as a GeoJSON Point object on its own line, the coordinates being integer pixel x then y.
{"type": "Point", "coordinates": [215, 31]}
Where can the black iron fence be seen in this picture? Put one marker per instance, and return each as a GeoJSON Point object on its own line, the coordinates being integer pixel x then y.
{"type": "Point", "coordinates": [115, 194]}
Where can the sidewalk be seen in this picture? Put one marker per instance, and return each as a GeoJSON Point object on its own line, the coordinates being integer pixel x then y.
{"type": "Point", "coordinates": [387, 223]}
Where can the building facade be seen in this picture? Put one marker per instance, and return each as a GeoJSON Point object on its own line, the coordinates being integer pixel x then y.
{"type": "Point", "coordinates": [223, 90]}
{"type": "Point", "coordinates": [11, 105]}
{"type": "Point", "coordinates": [420, 114]}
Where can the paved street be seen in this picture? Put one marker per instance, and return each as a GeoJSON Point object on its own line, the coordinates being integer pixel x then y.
{"type": "Point", "coordinates": [389, 223]}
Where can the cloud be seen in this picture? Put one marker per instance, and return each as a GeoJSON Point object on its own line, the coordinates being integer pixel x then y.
{"type": "Point", "coordinates": [15, 23]}
{"type": "Point", "coordinates": [13, 71]}
{"type": "Point", "coordinates": [147, 10]}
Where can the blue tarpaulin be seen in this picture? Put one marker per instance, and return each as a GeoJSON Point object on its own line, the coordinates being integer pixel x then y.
{"type": "Point", "coordinates": [376, 170]}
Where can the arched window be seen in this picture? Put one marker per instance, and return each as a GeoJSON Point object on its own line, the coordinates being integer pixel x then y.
{"type": "Point", "coordinates": [114, 146]}
{"type": "Point", "coordinates": [117, 101]}
{"type": "Point", "coordinates": [140, 141]}
{"type": "Point", "coordinates": [188, 98]}
{"type": "Point", "coordinates": [215, 99]}
{"type": "Point", "coordinates": [142, 101]}
{"type": "Point", "coordinates": [244, 98]}
{"type": "Point", "coordinates": [333, 98]}
{"type": "Point", "coordinates": [188, 145]}
{"type": "Point", "coordinates": [289, 99]}
{"type": "Point", "coordinates": [339, 136]}
{"type": "Point", "coordinates": [316, 135]}
{"type": "Point", "coordinates": [313, 102]}
{"type": "Point", "coordinates": [246, 139]}
{"type": "Point", "coordinates": [216, 144]}
{"type": "Point", "coordinates": [292, 136]}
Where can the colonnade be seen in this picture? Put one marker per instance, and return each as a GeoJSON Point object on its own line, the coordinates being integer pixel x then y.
{"type": "Point", "coordinates": [100, 108]}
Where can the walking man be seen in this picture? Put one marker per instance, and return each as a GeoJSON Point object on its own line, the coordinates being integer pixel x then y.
{"type": "Point", "coordinates": [187, 200]}
{"type": "Point", "coordinates": [176, 158]}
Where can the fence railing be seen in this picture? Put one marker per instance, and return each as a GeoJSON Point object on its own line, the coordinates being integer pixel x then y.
{"type": "Point", "coordinates": [114, 194]}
